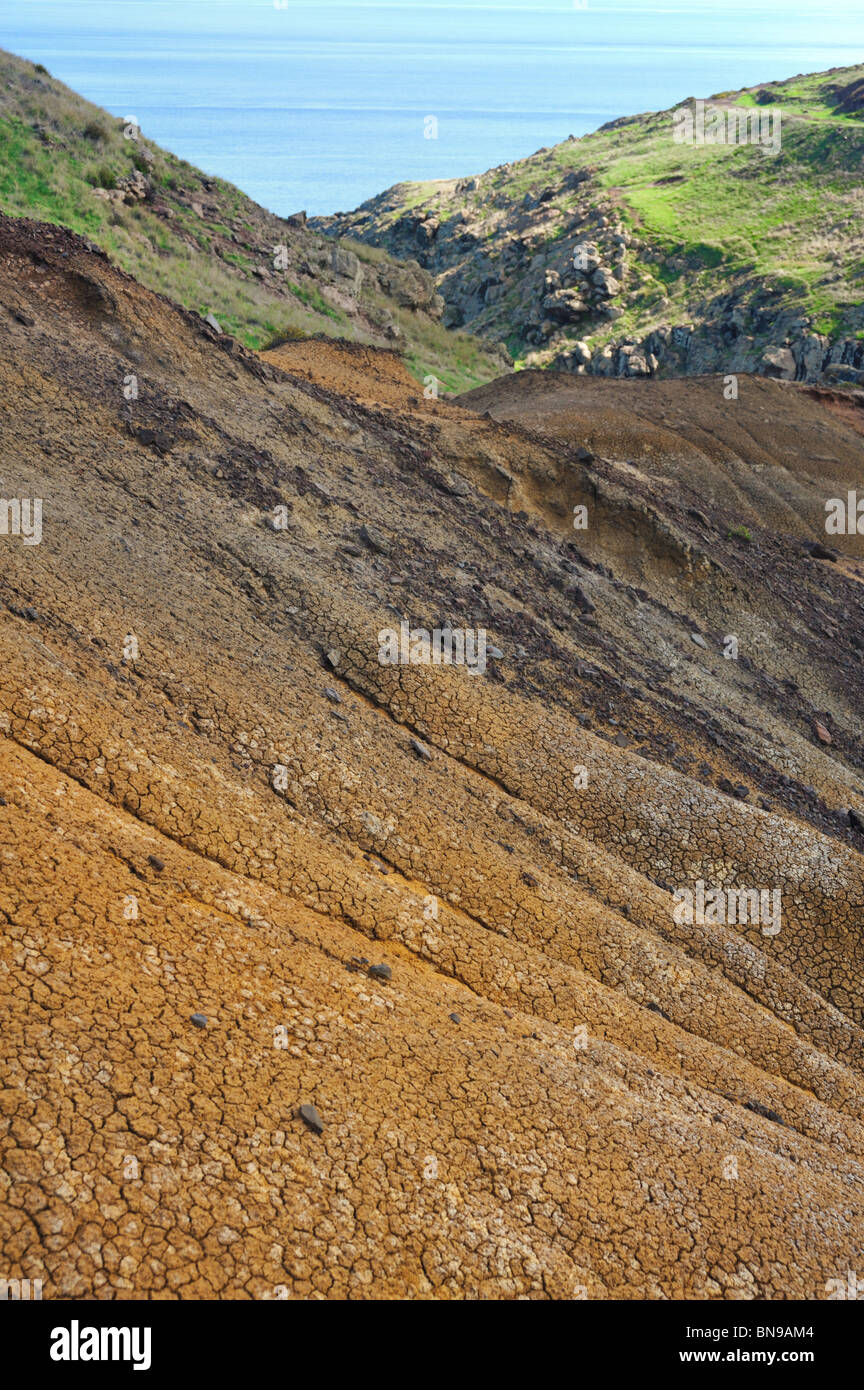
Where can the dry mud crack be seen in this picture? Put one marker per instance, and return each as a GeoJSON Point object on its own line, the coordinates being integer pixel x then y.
{"type": "Point", "coordinates": [559, 1091]}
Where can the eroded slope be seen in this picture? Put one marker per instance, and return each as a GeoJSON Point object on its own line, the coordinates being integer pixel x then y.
{"type": "Point", "coordinates": [241, 811]}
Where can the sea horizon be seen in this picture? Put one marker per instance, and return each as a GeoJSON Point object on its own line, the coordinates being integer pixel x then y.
{"type": "Point", "coordinates": [321, 107]}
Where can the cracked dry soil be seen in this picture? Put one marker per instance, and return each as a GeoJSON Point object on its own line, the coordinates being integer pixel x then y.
{"type": "Point", "coordinates": [544, 1096]}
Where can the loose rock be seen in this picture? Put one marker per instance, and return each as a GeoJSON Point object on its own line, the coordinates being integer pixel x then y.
{"type": "Point", "coordinates": [311, 1119]}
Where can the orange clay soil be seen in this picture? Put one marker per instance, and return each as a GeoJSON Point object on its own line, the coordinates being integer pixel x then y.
{"type": "Point", "coordinates": [215, 800]}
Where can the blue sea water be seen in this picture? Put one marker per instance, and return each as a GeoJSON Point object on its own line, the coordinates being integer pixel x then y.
{"type": "Point", "coordinates": [322, 105]}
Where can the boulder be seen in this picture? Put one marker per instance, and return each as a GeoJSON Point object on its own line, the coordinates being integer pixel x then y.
{"type": "Point", "coordinates": [564, 306]}
{"type": "Point", "coordinates": [778, 362]}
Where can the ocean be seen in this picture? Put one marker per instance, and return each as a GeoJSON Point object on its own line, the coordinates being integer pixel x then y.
{"type": "Point", "coordinates": [319, 106]}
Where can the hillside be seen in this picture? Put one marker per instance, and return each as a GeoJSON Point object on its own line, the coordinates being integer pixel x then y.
{"type": "Point", "coordinates": [691, 258]}
{"type": "Point", "coordinates": [249, 868]}
{"type": "Point", "coordinates": [204, 244]}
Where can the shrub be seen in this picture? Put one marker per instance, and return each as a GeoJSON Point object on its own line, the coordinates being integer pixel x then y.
{"type": "Point", "coordinates": [103, 177]}
{"type": "Point", "coordinates": [287, 335]}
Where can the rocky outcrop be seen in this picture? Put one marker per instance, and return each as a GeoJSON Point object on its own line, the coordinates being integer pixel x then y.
{"type": "Point", "coordinates": [574, 260]}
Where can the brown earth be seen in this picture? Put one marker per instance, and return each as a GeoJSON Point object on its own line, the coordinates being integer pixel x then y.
{"type": "Point", "coordinates": [560, 1091]}
{"type": "Point", "coordinates": [772, 455]}
{"type": "Point", "coordinates": [373, 375]}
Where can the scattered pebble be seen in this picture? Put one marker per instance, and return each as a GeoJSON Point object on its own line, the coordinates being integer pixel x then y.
{"type": "Point", "coordinates": [200, 1020]}
{"type": "Point", "coordinates": [334, 656]}
{"type": "Point", "coordinates": [311, 1119]}
{"type": "Point", "coordinates": [821, 732]}
{"type": "Point", "coordinates": [375, 539]}
{"type": "Point", "coordinates": [155, 863]}
{"type": "Point", "coordinates": [818, 551]}
{"type": "Point", "coordinates": [454, 1018]}
{"type": "Point", "coordinates": [759, 1109]}
{"type": "Point", "coordinates": [380, 972]}
{"type": "Point", "coordinates": [698, 639]}
{"type": "Point", "coordinates": [421, 750]}
{"type": "Point", "coordinates": [332, 695]}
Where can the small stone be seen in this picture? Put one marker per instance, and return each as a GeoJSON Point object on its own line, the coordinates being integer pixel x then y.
{"type": "Point", "coordinates": [200, 1020]}
{"type": "Point", "coordinates": [375, 539]}
{"type": "Point", "coordinates": [421, 750]}
{"type": "Point", "coordinates": [332, 695]}
{"type": "Point", "coordinates": [580, 598]}
{"type": "Point", "coordinates": [213, 323]}
{"type": "Point", "coordinates": [821, 732]}
{"type": "Point", "coordinates": [311, 1119]}
{"type": "Point", "coordinates": [741, 792]}
{"type": "Point", "coordinates": [380, 972]}
{"type": "Point", "coordinates": [495, 652]}
{"type": "Point", "coordinates": [698, 639]}
{"type": "Point", "coordinates": [155, 863]}
{"type": "Point", "coordinates": [759, 1109]}
{"type": "Point", "coordinates": [454, 1018]}
{"type": "Point", "coordinates": [818, 551]}
{"type": "Point", "coordinates": [334, 656]}
{"type": "Point", "coordinates": [31, 615]}
{"type": "Point", "coordinates": [655, 1009]}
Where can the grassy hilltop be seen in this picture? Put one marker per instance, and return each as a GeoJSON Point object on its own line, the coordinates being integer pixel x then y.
{"type": "Point", "coordinates": [742, 247]}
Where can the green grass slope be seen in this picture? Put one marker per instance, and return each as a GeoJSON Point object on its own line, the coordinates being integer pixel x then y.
{"type": "Point", "coordinates": [204, 244]}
